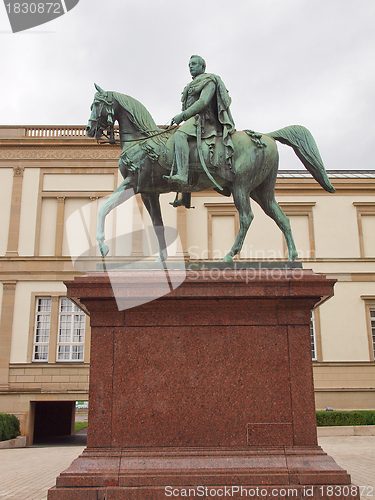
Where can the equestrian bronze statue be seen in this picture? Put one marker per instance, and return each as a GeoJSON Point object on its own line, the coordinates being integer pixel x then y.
{"type": "Point", "coordinates": [212, 155]}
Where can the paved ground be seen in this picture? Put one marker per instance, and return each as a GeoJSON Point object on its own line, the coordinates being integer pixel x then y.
{"type": "Point", "coordinates": [28, 473]}
{"type": "Point", "coordinates": [82, 415]}
{"type": "Point", "coordinates": [356, 454]}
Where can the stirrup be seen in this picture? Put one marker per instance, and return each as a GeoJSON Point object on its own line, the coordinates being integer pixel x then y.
{"type": "Point", "coordinates": [177, 178]}
{"type": "Point", "coordinates": [176, 202]}
{"type": "Point", "coordinates": [184, 201]}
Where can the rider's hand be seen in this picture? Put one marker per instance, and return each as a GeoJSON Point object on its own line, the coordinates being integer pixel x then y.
{"type": "Point", "coordinates": [178, 119]}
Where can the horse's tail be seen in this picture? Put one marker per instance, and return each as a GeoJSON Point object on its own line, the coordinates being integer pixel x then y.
{"type": "Point", "coordinates": [304, 145]}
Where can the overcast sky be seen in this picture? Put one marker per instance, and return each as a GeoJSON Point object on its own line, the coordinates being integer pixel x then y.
{"type": "Point", "coordinates": [284, 62]}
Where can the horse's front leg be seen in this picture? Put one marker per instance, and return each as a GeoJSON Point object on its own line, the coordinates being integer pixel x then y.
{"type": "Point", "coordinates": [122, 193]}
{"type": "Point", "coordinates": [152, 204]}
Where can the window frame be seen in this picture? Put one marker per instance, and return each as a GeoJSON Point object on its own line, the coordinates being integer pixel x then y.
{"type": "Point", "coordinates": [36, 316]}
{"type": "Point", "coordinates": [301, 209]}
{"type": "Point", "coordinates": [54, 330]}
{"type": "Point", "coordinates": [313, 342]}
{"type": "Point", "coordinates": [76, 311]}
{"type": "Point", "coordinates": [227, 209]}
{"type": "Point", "coordinates": [365, 208]}
{"type": "Point", "coordinates": [295, 208]}
{"type": "Point", "coordinates": [372, 327]}
{"type": "Point", "coordinates": [369, 302]}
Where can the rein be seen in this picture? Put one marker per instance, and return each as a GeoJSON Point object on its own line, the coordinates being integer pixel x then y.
{"type": "Point", "coordinates": [110, 135]}
{"type": "Point", "coordinates": [168, 129]}
{"type": "Point", "coordinates": [110, 132]}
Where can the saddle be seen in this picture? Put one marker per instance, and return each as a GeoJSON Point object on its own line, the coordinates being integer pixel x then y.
{"type": "Point", "coordinates": [213, 155]}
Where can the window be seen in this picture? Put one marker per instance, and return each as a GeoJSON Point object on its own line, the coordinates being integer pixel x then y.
{"type": "Point", "coordinates": [301, 220]}
{"type": "Point", "coordinates": [369, 301]}
{"type": "Point", "coordinates": [59, 333]}
{"type": "Point", "coordinates": [42, 329]}
{"type": "Point", "coordinates": [372, 319]}
{"type": "Point", "coordinates": [223, 224]}
{"type": "Point", "coordinates": [366, 225]}
{"type": "Point", "coordinates": [312, 338]}
{"type": "Point", "coordinates": [71, 337]}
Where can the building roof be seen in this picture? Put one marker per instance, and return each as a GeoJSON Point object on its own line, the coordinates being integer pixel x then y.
{"type": "Point", "coordinates": [34, 134]}
{"type": "Point", "coordinates": [332, 174]}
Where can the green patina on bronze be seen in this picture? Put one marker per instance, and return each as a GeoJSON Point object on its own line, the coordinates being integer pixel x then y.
{"type": "Point", "coordinates": [206, 115]}
{"type": "Point", "coordinates": [155, 160]}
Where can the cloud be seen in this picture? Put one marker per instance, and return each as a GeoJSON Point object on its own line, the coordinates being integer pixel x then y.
{"type": "Point", "coordinates": [295, 61]}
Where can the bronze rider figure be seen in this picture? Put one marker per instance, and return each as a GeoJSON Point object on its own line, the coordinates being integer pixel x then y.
{"type": "Point", "coordinates": [206, 96]}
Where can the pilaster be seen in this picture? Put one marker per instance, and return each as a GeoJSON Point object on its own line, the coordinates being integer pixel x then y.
{"type": "Point", "coordinates": [138, 227]}
{"type": "Point", "coordinates": [15, 212]}
{"type": "Point", "coordinates": [6, 327]}
{"type": "Point", "coordinates": [182, 251]}
{"type": "Point", "coordinates": [59, 226]}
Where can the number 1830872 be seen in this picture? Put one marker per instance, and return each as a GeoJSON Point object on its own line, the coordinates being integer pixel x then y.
{"type": "Point", "coordinates": [346, 491]}
{"type": "Point", "coordinates": [34, 8]}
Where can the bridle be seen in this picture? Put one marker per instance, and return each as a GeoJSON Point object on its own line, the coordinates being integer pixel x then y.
{"type": "Point", "coordinates": [104, 129]}
{"type": "Point", "coordinates": [108, 131]}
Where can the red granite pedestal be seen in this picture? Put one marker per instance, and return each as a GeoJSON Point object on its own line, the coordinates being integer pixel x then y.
{"type": "Point", "coordinates": [206, 391]}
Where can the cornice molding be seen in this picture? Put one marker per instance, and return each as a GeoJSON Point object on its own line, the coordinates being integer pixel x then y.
{"type": "Point", "coordinates": [96, 152]}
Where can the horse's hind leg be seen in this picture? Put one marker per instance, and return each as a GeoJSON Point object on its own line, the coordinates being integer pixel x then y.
{"type": "Point", "coordinates": [242, 201]}
{"type": "Point", "coordinates": [152, 204]}
{"type": "Point", "coordinates": [264, 195]}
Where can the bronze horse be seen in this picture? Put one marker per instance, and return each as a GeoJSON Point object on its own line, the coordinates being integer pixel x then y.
{"type": "Point", "coordinates": [143, 166]}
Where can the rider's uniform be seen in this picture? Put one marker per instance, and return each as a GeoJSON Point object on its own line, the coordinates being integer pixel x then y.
{"type": "Point", "coordinates": [207, 96]}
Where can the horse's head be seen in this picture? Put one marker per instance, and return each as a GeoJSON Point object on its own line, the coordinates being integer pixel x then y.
{"type": "Point", "coordinates": [101, 113]}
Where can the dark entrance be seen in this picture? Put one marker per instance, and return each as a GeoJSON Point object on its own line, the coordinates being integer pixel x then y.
{"type": "Point", "coordinates": [53, 419]}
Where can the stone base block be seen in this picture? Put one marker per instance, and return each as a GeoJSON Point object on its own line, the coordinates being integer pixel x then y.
{"type": "Point", "coordinates": [297, 472]}
{"type": "Point", "coordinates": [206, 391]}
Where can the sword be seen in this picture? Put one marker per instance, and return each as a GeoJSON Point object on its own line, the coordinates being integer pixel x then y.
{"type": "Point", "coordinates": [200, 152]}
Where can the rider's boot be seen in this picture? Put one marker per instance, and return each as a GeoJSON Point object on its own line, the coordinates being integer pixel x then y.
{"type": "Point", "coordinates": [184, 201]}
{"type": "Point", "coordinates": [181, 159]}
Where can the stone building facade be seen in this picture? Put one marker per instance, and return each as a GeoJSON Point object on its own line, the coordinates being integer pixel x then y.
{"type": "Point", "coordinates": [53, 179]}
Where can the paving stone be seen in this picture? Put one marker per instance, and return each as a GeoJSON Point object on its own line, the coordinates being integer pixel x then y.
{"type": "Point", "coordinates": [28, 473]}
{"type": "Point", "coordinates": [356, 454]}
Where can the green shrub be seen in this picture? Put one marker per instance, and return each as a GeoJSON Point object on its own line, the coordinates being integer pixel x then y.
{"type": "Point", "coordinates": [9, 427]}
{"type": "Point", "coordinates": [15, 425]}
{"type": "Point", "coordinates": [335, 418]}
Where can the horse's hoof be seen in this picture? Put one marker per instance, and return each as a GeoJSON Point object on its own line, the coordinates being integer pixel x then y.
{"type": "Point", "coordinates": [104, 249]}
{"type": "Point", "coordinates": [161, 258]}
{"type": "Point", "coordinates": [293, 256]}
{"type": "Point", "coordinates": [228, 258]}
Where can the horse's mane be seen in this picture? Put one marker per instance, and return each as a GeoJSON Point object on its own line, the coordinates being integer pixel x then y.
{"type": "Point", "coordinates": [138, 114]}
